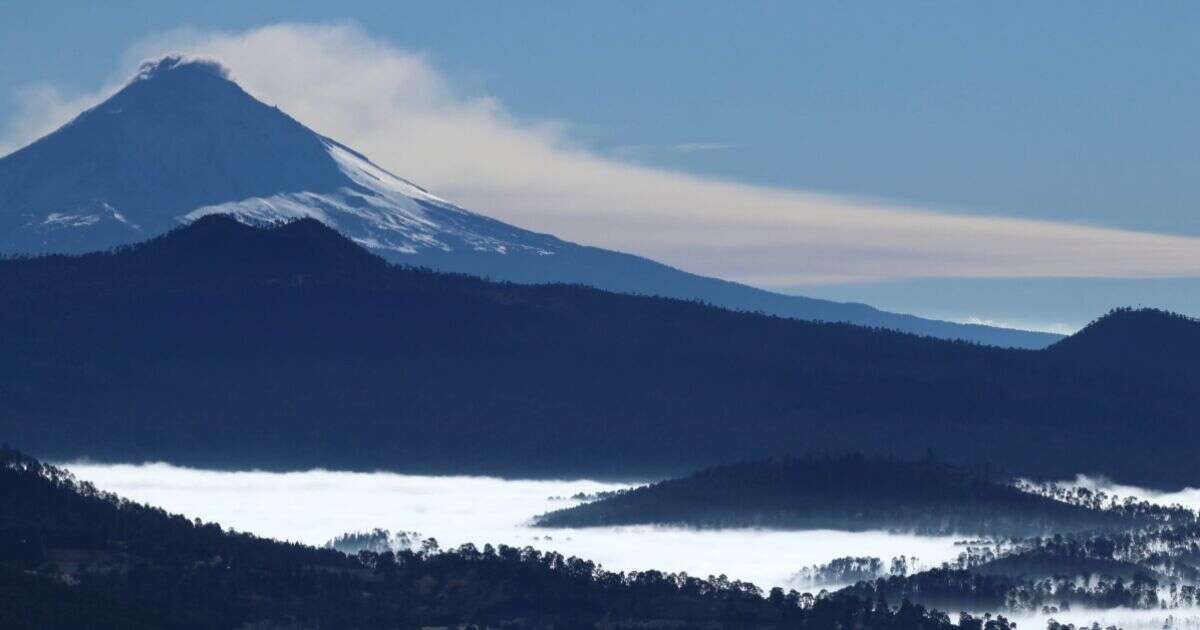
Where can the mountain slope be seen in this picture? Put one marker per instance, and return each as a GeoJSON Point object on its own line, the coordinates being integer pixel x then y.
{"type": "Point", "coordinates": [182, 141]}
{"type": "Point", "coordinates": [219, 344]}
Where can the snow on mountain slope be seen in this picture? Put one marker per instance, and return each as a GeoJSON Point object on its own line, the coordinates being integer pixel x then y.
{"type": "Point", "coordinates": [181, 140]}
{"type": "Point", "coordinates": [381, 211]}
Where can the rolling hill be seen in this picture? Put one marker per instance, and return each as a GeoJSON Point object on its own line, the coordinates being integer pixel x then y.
{"type": "Point", "coordinates": [851, 493]}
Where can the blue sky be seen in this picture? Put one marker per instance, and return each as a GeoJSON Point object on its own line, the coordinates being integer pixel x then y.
{"type": "Point", "coordinates": [1082, 113]}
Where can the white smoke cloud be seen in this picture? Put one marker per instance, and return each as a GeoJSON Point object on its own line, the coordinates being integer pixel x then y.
{"type": "Point", "coordinates": [397, 108]}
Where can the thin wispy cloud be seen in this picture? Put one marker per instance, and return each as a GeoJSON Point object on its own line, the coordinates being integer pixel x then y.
{"type": "Point", "coordinates": [395, 106]}
{"type": "Point", "coordinates": [41, 108]}
{"type": "Point", "coordinates": [683, 148]}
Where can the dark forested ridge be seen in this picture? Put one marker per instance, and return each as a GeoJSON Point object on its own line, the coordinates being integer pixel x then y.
{"type": "Point", "coordinates": [1136, 338]}
{"type": "Point", "coordinates": [853, 493]}
{"type": "Point", "coordinates": [74, 557]}
{"type": "Point", "coordinates": [230, 346]}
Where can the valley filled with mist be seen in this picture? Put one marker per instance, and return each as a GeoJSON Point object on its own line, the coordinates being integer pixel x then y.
{"type": "Point", "coordinates": [384, 512]}
{"type": "Point", "coordinates": [314, 507]}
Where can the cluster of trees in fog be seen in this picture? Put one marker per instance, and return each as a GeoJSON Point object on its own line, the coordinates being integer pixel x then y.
{"type": "Point", "coordinates": [851, 569]}
{"type": "Point", "coordinates": [380, 540]}
{"type": "Point", "coordinates": [1171, 551]}
{"type": "Point", "coordinates": [1153, 566]}
{"type": "Point", "coordinates": [1054, 625]}
{"type": "Point", "coordinates": [1132, 507]}
{"type": "Point", "coordinates": [597, 496]}
{"type": "Point", "coordinates": [957, 588]}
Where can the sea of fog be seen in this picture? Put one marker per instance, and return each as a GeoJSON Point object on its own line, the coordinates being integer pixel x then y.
{"type": "Point", "coordinates": [314, 506]}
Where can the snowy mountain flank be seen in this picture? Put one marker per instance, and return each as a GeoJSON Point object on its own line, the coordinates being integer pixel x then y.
{"type": "Point", "coordinates": [181, 141]}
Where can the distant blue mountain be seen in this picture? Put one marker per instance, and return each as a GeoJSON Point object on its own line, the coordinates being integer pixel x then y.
{"type": "Point", "coordinates": [181, 141]}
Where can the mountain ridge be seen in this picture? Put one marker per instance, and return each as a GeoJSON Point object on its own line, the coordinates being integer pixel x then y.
{"type": "Point", "coordinates": [162, 352]}
{"type": "Point", "coordinates": [182, 140]}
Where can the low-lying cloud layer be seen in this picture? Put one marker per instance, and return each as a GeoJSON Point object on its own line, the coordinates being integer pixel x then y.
{"type": "Point", "coordinates": [314, 506]}
{"type": "Point", "coordinates": [398, 109]}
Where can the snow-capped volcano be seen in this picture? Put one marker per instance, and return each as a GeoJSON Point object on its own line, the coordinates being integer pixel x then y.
{"type": "Point", "coordinates": [181, 140]}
